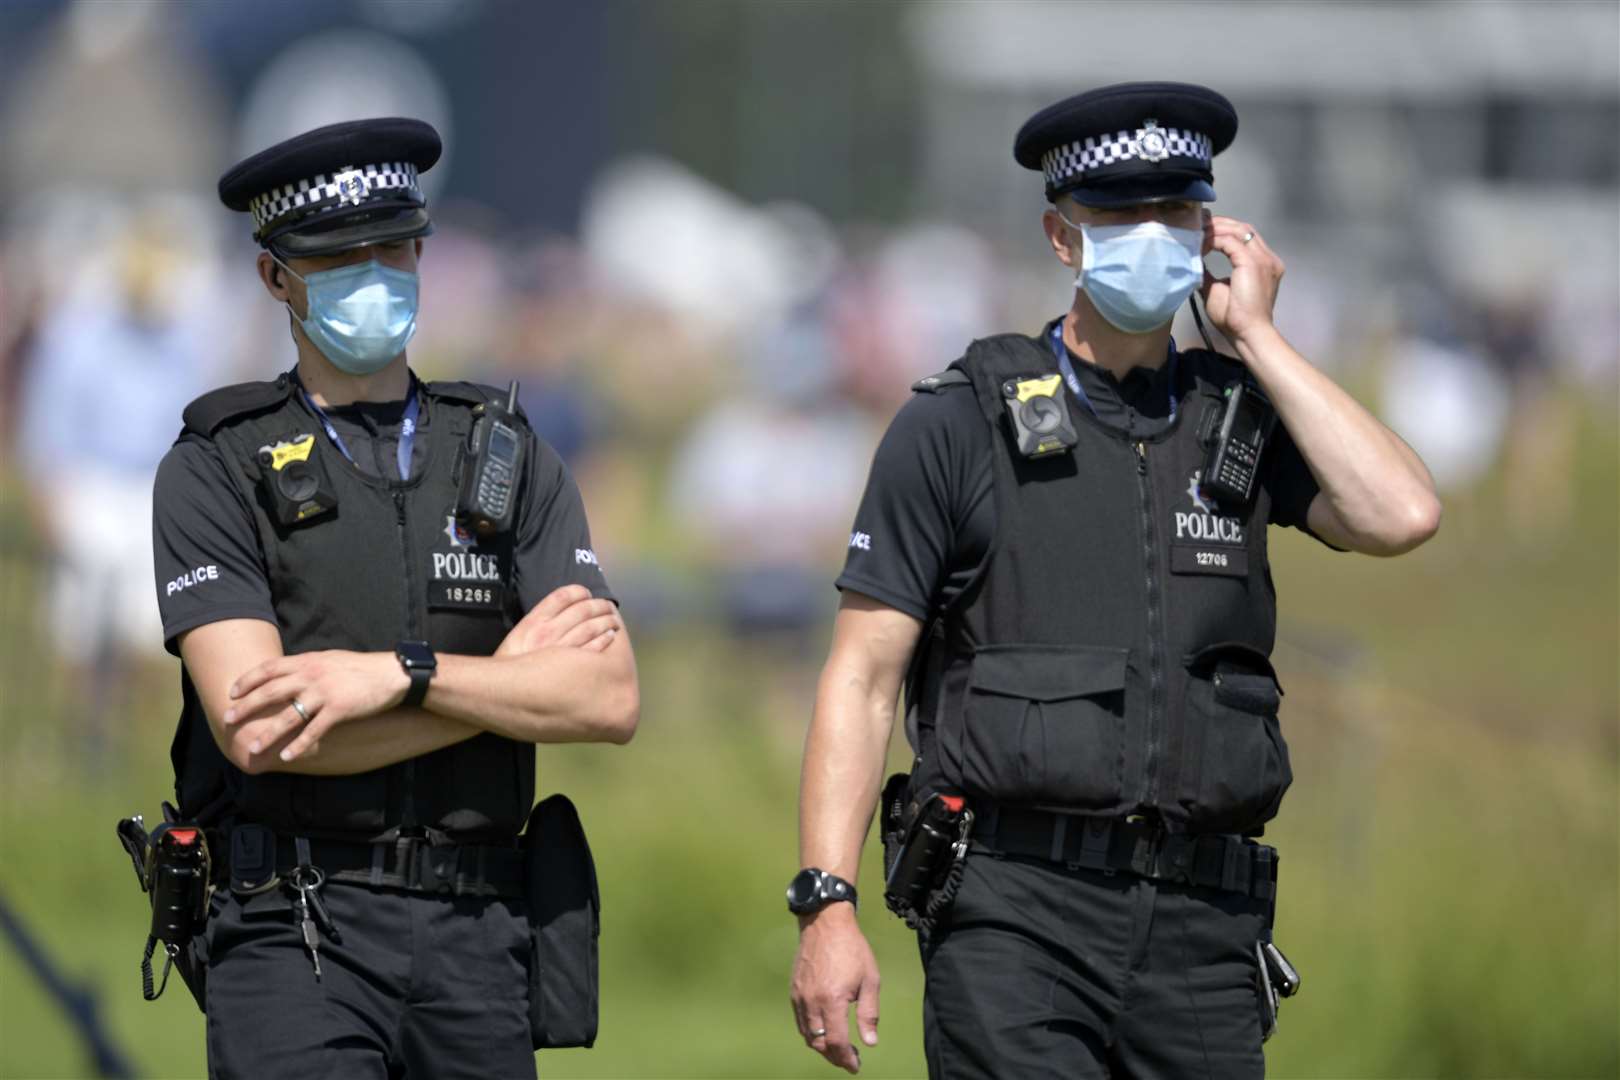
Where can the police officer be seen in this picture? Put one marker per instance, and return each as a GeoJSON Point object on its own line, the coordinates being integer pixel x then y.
{"type": "Point", "coordinates": [364, 676]}
{"type": "Point", "coordinates": [1086, 620]}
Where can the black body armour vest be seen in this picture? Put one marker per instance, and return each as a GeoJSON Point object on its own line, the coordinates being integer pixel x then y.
{"type": "Point", "coordinates": [1112, 656]}
{"type": "Point", "coordinates": [385, 564]}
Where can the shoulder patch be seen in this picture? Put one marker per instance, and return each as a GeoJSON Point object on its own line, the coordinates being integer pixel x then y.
{"type": "Point", "coordinates": [943, 380]}
{"type": "Point", "coordinates": [207, 413]}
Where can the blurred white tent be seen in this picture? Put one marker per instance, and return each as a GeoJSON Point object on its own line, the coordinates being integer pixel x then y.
{"type": "Point", "coordinates": [654, 229]}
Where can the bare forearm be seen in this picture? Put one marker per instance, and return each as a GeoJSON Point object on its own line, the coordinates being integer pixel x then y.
{"type": "Point", "coordinates": [374, 742]}
{"type": "Point", "coordinates": [552, 695]}
{"type": "Point", "coordinates": [1380, 497]}
{"type": "Point", "coordinates": [843, 770]}
{"type": "Point", "coordinates": [559, 694]}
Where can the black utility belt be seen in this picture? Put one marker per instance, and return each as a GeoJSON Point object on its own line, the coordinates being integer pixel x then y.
{"type": "Point", "coordinates": [423, 864]}
{"type": "Point", "coordinates": [1137, 846]}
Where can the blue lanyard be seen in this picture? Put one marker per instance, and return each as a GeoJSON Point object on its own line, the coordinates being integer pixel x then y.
{"type": "Point", "coordinates": [1069, 376]}
{"type": "Point", "coordinates": [407, 429]}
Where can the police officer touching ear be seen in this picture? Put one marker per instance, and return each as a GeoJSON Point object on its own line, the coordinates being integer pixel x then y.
{"type": "Point", "coordinates": [1066, 571]}
{"type": "Point", "coordinates": [383, 594]}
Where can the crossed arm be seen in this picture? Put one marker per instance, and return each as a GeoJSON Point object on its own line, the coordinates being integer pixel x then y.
{"type": "Point", "coordinates": [565, 673]}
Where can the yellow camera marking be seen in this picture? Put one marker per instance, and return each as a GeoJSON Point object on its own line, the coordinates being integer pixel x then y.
{"type": "Point", "coordinates": [1046, 387]}
{"type": "Point", "coordinates": [282, 453]}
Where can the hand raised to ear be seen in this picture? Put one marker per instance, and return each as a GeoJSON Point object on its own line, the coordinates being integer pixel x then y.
{"type": "Point", "coordinates": [1244, 302]}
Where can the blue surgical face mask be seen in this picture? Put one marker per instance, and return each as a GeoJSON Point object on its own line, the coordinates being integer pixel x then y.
{"type": "Point", "coordinates": [360, 316]}
{"type": "Point", "coordinates": [1138, 275]}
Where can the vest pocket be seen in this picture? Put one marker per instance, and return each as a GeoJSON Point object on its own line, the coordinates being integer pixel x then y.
{"type": "Point", "coordinates": [1235, 769]}
{"type": "Point", "coordinates": [1045, 724]}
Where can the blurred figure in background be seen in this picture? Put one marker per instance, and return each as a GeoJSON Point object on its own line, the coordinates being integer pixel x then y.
{"type": "Point", "coordinates": [136, 335]}
{"type": "Point", "coordinates": [546, 343]}
{"type": "Point", "coordinates": [1539, 473]}
{"type": "Point", "coordinates": [766, 477]}
{"type": "Point", "coordinates": [1440, 387]}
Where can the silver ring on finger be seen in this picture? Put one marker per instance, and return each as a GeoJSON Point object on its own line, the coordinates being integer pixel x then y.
{"type": "Point", "coordinates": [1247, 237]}
{"type": "Point", "coordinates": [816, 1033]}
{"type": "Point", "coordinates": [298, 707]}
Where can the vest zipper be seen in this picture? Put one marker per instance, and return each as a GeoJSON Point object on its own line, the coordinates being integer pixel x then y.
{"type": "Point", "coordinates": [407, 801]}
{"type": "Point", "coordinates": [1155, 677]}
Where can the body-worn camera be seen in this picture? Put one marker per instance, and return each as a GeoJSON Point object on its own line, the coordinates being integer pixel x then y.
{"type": "Point", "coordinates": [490, 470]}
{"type": "Point", "coordinates": [295, 480]}
{"type": "Point", "coordinates": [1236, 444]}
{"type": "Point", "coordinates": [1040, 415]}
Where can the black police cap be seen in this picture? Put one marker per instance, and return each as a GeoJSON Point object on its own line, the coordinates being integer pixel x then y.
{"type": "Point", "coordinates": [1129, 143]}
{"type": "Point", "coordinates": [338, 187]}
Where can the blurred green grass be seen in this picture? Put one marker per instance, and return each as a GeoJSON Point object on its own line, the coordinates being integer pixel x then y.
{"type": "Point", "coordinates": [1450, 848]}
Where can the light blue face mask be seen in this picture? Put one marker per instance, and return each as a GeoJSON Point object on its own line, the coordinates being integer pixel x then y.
{"type": "Point", "coordinates": [360, 316]}
{"type": "Point", "coordinates": [1138, 275]}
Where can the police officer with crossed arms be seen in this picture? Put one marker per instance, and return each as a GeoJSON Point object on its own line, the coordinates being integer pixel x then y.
{"type": "Point", "coordinates": [1073, 589]}
{"type": "Point", "coordinates": [365, 668]}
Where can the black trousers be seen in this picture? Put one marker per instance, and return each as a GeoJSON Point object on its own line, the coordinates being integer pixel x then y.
{"type": "Point", "coordinates": [421, 986]}
{"type": "Point", "coordinates": [1045, 971]}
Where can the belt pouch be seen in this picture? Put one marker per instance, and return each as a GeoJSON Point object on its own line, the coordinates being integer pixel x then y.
{"type": "Point", "coordinates": [564, 923]}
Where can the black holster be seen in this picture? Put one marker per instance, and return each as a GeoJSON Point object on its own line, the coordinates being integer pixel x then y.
{"type": "Point", "coordinates": [565, 909]}
{"type": "Point", "coordinates": [924, 843]}
{"type": "Point", "coordinates": [174, 868]}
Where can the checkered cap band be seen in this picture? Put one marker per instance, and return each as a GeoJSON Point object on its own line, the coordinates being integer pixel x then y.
{"type": "Point", "coordinates": [351, 186]}
{"type": "Point", "coordinates": [1071, 160]}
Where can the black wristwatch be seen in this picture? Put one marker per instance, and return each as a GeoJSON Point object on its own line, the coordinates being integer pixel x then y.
{"type": "Point", "coordinates": [417, 658]}
{"type": "Point", "coordinates": [812, 889]}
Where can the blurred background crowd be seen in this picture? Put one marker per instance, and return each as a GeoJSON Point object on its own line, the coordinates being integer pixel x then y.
{"type": "Point", "coordinates": [715, 242]}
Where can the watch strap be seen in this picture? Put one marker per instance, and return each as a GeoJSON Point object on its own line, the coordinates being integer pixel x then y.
{"type": "Point", "coordinates": [835, 888]}
{"type": "Point", "coordinates": [829, 889]}
{"type": "Point", "coordinates": [417, 658]}
{"type": "Point", "coordinates": [420, 677]}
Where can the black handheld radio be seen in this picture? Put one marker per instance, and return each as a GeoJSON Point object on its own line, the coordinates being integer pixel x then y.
{"type": "Point", "coordinates": [1238, 440]}
{"type": "Point", "coordinates": [1236, 446]}
{"type": "Point", "coordinates": [490, 471]}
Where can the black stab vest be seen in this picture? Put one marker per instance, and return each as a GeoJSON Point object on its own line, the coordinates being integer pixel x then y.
{"type": "Point", "coordinates": [1112, 656]}
{"type": "Point", "coordinates": [386, 565]}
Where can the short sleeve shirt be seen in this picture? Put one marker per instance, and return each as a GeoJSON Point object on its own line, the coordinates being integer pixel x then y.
{"type": "Point", "coordinates": [210, 566]}
{"type": "Point", "coordinates": [927, 517]}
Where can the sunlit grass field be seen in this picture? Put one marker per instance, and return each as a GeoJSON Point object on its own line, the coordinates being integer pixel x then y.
{"type": "Point", "coordinates": [1450, 847]}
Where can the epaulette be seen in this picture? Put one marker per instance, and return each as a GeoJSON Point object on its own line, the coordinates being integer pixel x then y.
{"type": "Point", "coordinates": [207, 413]}
{"type": "Point", "coordinates": [933, 384]}
{"type": "Point", "coordinates": [472, 393]}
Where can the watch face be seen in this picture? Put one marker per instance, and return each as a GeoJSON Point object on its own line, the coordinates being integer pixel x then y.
{"type": "Point", "coordinates": [415, 654]}
{"type": "Point", "coordinates": [804, 890]}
